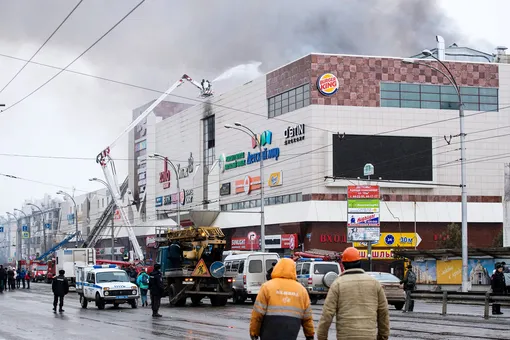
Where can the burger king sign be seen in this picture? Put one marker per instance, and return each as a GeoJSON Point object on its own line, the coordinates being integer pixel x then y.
{"type": "Point", "coordinates": [327, 84]}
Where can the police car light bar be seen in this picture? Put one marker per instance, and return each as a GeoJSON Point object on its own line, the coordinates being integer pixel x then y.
{"type": "Point", "coordinates": [308, 259]}
{"type": "Point", "coordinates": [98, 266]}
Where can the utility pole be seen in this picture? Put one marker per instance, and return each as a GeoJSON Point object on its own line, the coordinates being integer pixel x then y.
{"type": "Point", "coordinates": [113, 230]}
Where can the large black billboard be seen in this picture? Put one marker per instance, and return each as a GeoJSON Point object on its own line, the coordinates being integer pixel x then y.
{"type": "Point", "coordinates": [393, 157]}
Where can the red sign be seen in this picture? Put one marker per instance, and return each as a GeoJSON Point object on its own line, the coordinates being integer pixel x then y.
{"type": "Point", "coordinates": [164, 176]}
{"type": "Point", "coordinates": [363, 191]}
{"type": "Point", "coordinates": [289, 241]}
{"type": "Point", "coordinates": [117, 215]}
{"type": "Point", "coordinates": [244, 243]}
{"type": "Point", "coordinates": [328, 238]}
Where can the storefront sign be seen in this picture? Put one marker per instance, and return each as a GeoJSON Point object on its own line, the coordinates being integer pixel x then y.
{"type": "Point", "coordinates": [335, 238]}
{"type": "Point", "coordinates": [294, 134]}
{"type": "Point", "coordinates": [187, 170]}
{"type": "Point", "coordinates": [367, 234]}
{"type": "Point", "coordinates": [363, 206]}
{"type": "Point", "coordinates": [382, 254]}
{"type": "Point", "coordinates": [394, 240]}
{"type": "Point", "coordinates": [275, 179]}
{"type": "Point", "coordinates": [183, 197]}
{"type": "Point", "coordinates": [363, 191]}
{"type": "Point", "coordinates": [285, 241]}
{"type": "Point", "coordinates": [225, 189]}
{"type": "Point", "coordinates": [266, 154]}
{"type": "Point", "coordinates": [159, 201]}
{"type": "Point", "coordinates": [165, 176]}
{"type": "Point", "coordinates": [327, 84]}
{"type": "Point", "coordinates": [263, 139]}
{"type": "Point", "coordinates": [241, 159]}
{"type": "Point", "coordinates": [235, 161]}
{"type": "Point", "coordinates": [247, 185]}
{"type": "Point", "coordinates": [363, 220]}
{"type": "Point", "coordinates": [244, 243]}
{"type": "Point", "coordinates": [167, 200]}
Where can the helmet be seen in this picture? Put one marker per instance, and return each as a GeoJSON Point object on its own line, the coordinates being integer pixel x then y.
{"type": "Point", "coordinates": [350, 254]}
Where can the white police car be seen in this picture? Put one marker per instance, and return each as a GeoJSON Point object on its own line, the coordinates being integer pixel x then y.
{"type": "Point", "coordinates": [105, 284]}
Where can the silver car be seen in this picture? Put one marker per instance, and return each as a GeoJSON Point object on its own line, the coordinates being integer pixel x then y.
{"type": "Point", "coordinates": [317, 276]}
{"type": "Point", "coordinates": [392, 288]}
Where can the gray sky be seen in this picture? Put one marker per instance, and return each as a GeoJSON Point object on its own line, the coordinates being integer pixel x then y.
{"type": "Point", "coordinates": [77, 116]}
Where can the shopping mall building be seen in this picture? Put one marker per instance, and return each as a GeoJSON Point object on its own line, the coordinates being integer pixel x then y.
{"type": "Point", "coordinates": [319, 120]}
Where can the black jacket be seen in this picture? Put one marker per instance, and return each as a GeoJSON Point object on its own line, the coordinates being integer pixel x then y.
{"type": "Point", "coordinates": [156, 285]}
{"type": "Point", "coordinates": [60, 286]}
{"type": "Point", "coordinates": [498, 284]}
{"type": "Point", "coordinates": [3, 274]}
{"type": "Point", "coordinates": [10, 274]}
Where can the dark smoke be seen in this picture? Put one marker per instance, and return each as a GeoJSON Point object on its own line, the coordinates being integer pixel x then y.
{"type": "Point", "coordinates": [163, 39]}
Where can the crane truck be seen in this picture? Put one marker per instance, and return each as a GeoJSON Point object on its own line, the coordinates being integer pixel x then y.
{"type": "Point", "coordinates": [191, 263]}
{"type": "Point", "coordinates": [107, 164]}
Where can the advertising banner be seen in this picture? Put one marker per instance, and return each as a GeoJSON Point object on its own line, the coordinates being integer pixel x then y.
{"type": "Point", "coordinates": [364, 220]}
{"type": "Point", "coordinates": [244, 243]}
{"type": "Point", "coordinates": [449, 272]}
{"type": "Point", "coordinates": [363, 234]}
{"type": "Point", "coordinates": [425, 271]}
{"type": "Point", "coordinates": [363, 191]}
{"type": "Point", "coordinates": [363, 206]}
{"type": "Point", "coordinates": [394, 240]}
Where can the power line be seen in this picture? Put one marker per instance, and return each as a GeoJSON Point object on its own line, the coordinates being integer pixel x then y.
{"type": "Point", "coordinates": [40, 48]}
{"type": "Point", "coordinates": [76, 59]}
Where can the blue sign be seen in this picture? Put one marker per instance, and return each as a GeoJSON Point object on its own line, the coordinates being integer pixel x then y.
{"type": "Point", "coordinates": [389, 239]}
{"type": "Point", "coordinates": [159, 201]}
{"type": "Point", "coordinates": [1, 228]}
{"type": "Point", "coordinates": [70, 218]}
{"type": "Point", "coordinates": [48, 226]}
{"type": "Point", "coordinates": [217, 269]}
{"type": "Point", "coordinates": [266, 154]}
{"type": "Point", "coordinates": [24, 228]}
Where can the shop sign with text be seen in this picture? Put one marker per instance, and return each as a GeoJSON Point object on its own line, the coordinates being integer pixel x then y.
{"type": "Point", "coordinates": [381, 254]}
{"type": "Point", "coordinates": [333, 238]}
{"type": "Point", "coordinates": [363, 191]}
{"type": "Point", "coordinates": [363, 206]}
{"type": "Point", "coordinates": [225, 189]}
{"type": "Point", "coordinates": [247, 185]}
{"type": "Point", "coordinates": [294, 134]}
{"type": "Point", "coordinates": [242, 158]}
{"type": "Point", "coordinates": [285, 241]}
{"type": "Point", "coordinates": [244, 243]}
{"type": "Point", "coordinates": [363, 220]}
{"type": "Point", "coordinates": [165, 176]}
{"type": "Point", "coordinates": [396, 240]}
{"type": "Point", "coordinates": [275, 179]}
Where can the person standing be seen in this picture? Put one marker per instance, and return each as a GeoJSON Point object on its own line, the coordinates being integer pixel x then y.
{"type": "Point", "coordinates": [282, 307]}
{"type": "Point", "coordinates": [498, 286]}
{"type": "Point", "coordinates": [60, 288]}
{"type": "Point", "coordinates": [142, 281]}
{"type": "Point", "coordinates": [358, 303]}
{"type": "Point", "coordinates": [28, 277]}
{"type": "Point", "coordinates": [11, 278]}
{"type": "Point", "coordinates": [157, 289]}
{"type": "Point", "coordinates": [23, 274]}
{"type": "Point", "coordinates": [18, 278]}
{"type": "Point", "coordinates": [3, 279]}
{"type": "Point", "coordinates": [409, 283]}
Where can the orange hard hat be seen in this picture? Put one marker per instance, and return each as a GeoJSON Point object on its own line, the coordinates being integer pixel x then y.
{"type": "Point", "coordinates": [350, 254]}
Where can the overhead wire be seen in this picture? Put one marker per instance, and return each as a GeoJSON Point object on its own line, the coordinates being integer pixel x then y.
{"type": "Point", "coordinates": [41, 47]}
{"type": "Point", "coordinates": [75, 59]}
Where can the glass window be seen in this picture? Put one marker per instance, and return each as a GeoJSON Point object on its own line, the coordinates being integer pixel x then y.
{"type": "Point", "coordinates": [266, 201]}
{"type": "Point", "coordinates": [306, 95]}
{"type": "Point", "coordinates": [292, 93]}
{"type": "Point", "coordinates": [409, 88]}
{"type": "Point", "coordinates": [292, 107]}
{"type": "Point", "coordinates": [299, 90]}
{"type": "Point", "coordinates": [410, 103]}
{"type": "Point", "coordinates": [449, 97]}
{"type": "Point", "coordinates": [430, 88]}
{"type": "Point", "coordinates": [277, 112]}
{"type": "Point", "coordinates": [278, 105]}
{"type": "Point", "coordinates": [472, 107]}
{"type": "Point", "coordinates": [323, 268]}
{"type": "Point", "coordinates": [272, 201]}
{"type": "Point", "coordinates": [449, 105]}
{"type": "Point", "coordinates": [278, 200]}
{"type": "Point", "coordinates": [271, 101]}
{"type": "Point", "coordinates": [255, 266]}
{"type": "Point", "coordinates": [114, 276]}
{"type": "Point", "coordinates": [430, 105]}
{"type": "Point", "coordinates": [430, 96]}
{"type": "Point", "coordinates": [285, 199]}
{"type": "Point", "coordinates": [390, 103]}
{"type": "Point", "coordinates": [306, 87]}
{"type": "Point", "coordinates": [253, 203]}
{"type": "Point", "coordinates": [488, 107]}
{"type": "Point", "coordinates": [448, 90]}
{"type": "Point", "coordinates": [257, 203]}
{"type": "Point", "coordinates": [488, 92]}
{"type": "Point", "coordinates": [285, 95]}
{"type": "Point", "coordinates": [299, 197]}
{"type": "Point", "coordinates": [384, 277]}
{"type": "Point", "coordinates": [390, 95]}
{"type": "Point", "coordinates": [241, 266]}
{"type": "Point", "coordinates": [269, 263]}
{"type": "Point", "coordinates": [488, 100]}
{"type": "Point", "coordinates": [299, 97]}
{"type": "Point", "coordinates": [235, 266]}
{"type": "Point", "coordinates": [306, 269]}
{"type": "Point", "coordinates": [278, 98]}
{"type": "Point", "coordinates": [470, 99]}
{"type": "Point", "coordinates": [390, 86]}
{"type": "Point", "coordinates": [410, 95]}
{"type": "Point", "coordinates": [469, 90]}
{"type": "Point", "coordinates": [293, 198]}
{"type": "Point", "coordinates": [298, 268]}
{"type": "Point", "coordinates": [271, 113]}
{"type": "Point", "coordinates": [285, 109]}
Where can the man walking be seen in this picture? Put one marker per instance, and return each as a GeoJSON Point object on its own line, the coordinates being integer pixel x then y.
{"type": "Point", "coordinates": [3, 279]}
{"type": "Point", "coordinates": [157, 289]}
{"type": "Point", "coordinates": [358, 303]}
{"type": "Point", "coordinates": [60, 288]}
{"type": "Point", "coordinates": [409, 283]}
{"type": "Point", "coordinates": [282, 307]}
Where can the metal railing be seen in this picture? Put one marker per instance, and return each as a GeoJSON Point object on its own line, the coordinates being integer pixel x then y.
{"type": "Point", "coordinates": [458, 297]}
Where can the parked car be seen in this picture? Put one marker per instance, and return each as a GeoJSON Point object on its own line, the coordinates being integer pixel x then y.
{"type": "Point", "coordinates": [392, 288]}
{"type": "Point", "coordinates": [317, 276]}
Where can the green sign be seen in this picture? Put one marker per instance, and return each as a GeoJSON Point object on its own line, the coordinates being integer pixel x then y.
{"type": "Point", "coordinates": [363, 205]}
{"type": "Point", "coordinates": [25, 234]}
{"type": "Point", "coordinates": [235, 161]}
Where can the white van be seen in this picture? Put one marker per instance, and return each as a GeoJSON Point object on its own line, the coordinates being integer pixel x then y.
{"type": "Point", "coordinates": [249, 271]}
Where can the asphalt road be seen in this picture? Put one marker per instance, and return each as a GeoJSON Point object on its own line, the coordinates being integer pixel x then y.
{"type": "Point", "coordinates": [27, 314]}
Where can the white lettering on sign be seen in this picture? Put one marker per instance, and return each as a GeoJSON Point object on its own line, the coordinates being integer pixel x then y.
{"type": "Point", "coordinates": [238, 242]}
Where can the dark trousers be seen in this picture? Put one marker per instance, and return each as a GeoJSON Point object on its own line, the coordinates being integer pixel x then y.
{"type": "Point", "coordinates": [156, 302]}
{"type": "Point", "coordinates": [23, 281]}
{"type": "Point", "coordinates": [28, 284]}
{"type": "Point", "coordinates": [409, 305]}
{"type": "Point", "coordinates": [12, 284]}
{"type": "Point", "coordinates": [56, 299]}
{"type": "Point", "coordinates": [18, 283]}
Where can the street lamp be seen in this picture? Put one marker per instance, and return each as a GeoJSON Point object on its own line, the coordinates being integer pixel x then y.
{"type": "Point", "coordinates": [462, 135]}
{"type": "Point", "coordinates": [113, 211]}
{"type": "Point", "coordinates": [60, 192]}
{"type": "Point", "coordinates": [249, 132]}
{"type": "Point", "coordinates": [21, 239]}
{"type": "Point", "coordinates": [43, 224]}
{"type": "Point", "coordinates": [169, 162]}
{"type": "Point", "coordinates": [18, 251]}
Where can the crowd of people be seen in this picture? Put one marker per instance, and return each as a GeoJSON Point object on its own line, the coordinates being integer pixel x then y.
{"type": "Point", "coordinates": [12, 278]}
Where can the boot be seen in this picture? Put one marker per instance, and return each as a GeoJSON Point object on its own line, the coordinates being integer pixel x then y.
{"type": "Point", "coordinates": [494, 309]}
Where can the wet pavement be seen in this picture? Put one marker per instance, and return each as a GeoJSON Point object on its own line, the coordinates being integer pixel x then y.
{"type": "Point", "coordinates": [27, 314]}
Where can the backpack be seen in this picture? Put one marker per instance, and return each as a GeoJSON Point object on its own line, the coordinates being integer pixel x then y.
{"type": "Point", "coordinates": [411, 279]}
{"type": "Point", "coordinates": [145, 279]}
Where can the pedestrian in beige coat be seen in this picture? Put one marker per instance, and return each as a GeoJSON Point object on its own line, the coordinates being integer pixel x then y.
{"type": "Point", "coordinates": [358, 302]}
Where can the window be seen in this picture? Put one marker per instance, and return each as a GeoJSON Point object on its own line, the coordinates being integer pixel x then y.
{"type": "Point", "coordinates": [306, 269]}
{"type": "Point", "coordinates": [209, 141]}
{"type": "Point", "coordinates": [322, 269]}
{"type": "Point", "coordinates": [235, 266]}
{"type": "Point", "coordinates": [298, 268]}
{"type": "Point", "coordinates": [119, 276]}
{"type": "Point", "coordinates": [283, 199]}
{"type": "Point", "coordinates": [241, 267]}
{"type": "Point", "coordinates": [255, 266]}
{"type": "Point", "coordinates": [269, 264]}
{"type": "Point", "coordinates": [438, 97]}
{"type": "Point", "coordinates": [289, 101]}
{"type": "Point", "coordinates": [102, 202]}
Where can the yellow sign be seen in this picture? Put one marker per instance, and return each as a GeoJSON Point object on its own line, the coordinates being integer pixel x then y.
{"type": "Point", "coordinates": [275, 179]}
{"type": "Point", "coordinates": [394, 240]}
{"type": "Point", "coordinates": [377, 254]}
{"type": "Point", "coordinates": [201, 270]}
{"type": "Point", "coordinates": [25, 234]}
{"type": "Point", "coordinates": [449, 272]}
